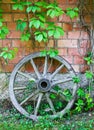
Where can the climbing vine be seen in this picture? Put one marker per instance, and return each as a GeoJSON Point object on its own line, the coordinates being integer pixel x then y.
{"type": "Point", "coordinates": [39, 25]}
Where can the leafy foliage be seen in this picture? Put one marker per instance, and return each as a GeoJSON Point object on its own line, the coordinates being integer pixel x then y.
{"type": "Point", "coordinates": [89, 74]}
{"type": "Point", "coordinates": [76, 79]}
{"type": "Point", "coordinates": [25, 36]}
{"type": "Point", "coordinates": [21, 25]}
{"type": "Point", "coordinates": [8, 54]}
{"type": "Point", "coordinates": [54, 10]}
{"type": "Point", "coordinates": [72, 13]}
{"type": "Point", "coordinates": [52, 52]}
{"type": "Point", "coordinates": [3, 32]}
{"type": "Point", "coordinates": [84, 101]}
{"type": "Point", "coordinates": [42, 28]}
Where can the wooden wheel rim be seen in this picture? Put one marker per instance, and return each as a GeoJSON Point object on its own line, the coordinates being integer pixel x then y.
{"type": "Point", "coordinates": [12, 94]}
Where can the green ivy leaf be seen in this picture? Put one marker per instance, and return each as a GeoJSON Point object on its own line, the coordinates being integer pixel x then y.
{"type": "Point", "coordinates": [89, 74]}
{"type": "Point", "coordinates": [52, 52]}
{"type": "Point", "coordinates": [52, 96]}
{"type": "Point", "coordinates": [42, 4]}
{"type": "Point", "coordinates": [39, 37]}
{"type": "Point", "coordinates": [27, 3]}
{"type": "Point", "coordinates": [36, 23]}
{"type": "Point", "coordinates": [1, 23]}
{"type": "Point", "coordinates": [25, 36]}
{"type": "Point", "coordinates": [33, 8]}
{"type": "Point", "coordinates": [8, 54]}
{"type": "Point", "coordinates": [55, 31]}
{"type": "Point", "coordinates": [81, 92]}
{"type": "Point", "coordinates": [18, 6]}
{"type": "Point", "coordinates": [54, 10]}
{"type": "Point", "coordinates": [72, 13]}
{"type": "Point", "coordinates": [21, 25]}
{"type": "Point", "coordinates": [41, 17]}
{"type": "Point", "coordinates": [50, 33]}
{"type": "Point", "coordinates": [43, 53]}
{"type": "Point", "coordinates": [89, 60]}
{"type": "Point", "coordinates": [56, 34]}
{"type": "Point", "coordinates": [3, 32]}
{"type": "Point", "coordinates": [76, 79]}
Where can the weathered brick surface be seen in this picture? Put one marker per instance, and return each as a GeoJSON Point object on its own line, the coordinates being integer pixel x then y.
{"type": "Point", "coordinates": [67, 27]}
{"type": "Point", "coordinates": [14, 34]}
{"type": "Point", "coordinates": [72, 46]}
{"type": "Point", "coordinates": [78, 60]}
{"type": "Point", "coordinates": [62, 51]}
{"type": "Point", "coordinates": [6, 8]}
{"type": "Point", "coordinates": [7, 17]}
{"type": "Point", "coordinates": [67, 43]}
{"type": "Point", "coordinates": [11, 25]}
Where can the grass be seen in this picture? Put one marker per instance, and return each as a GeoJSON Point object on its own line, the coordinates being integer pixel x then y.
{"type": "Point", "coordinates": [12, 120]}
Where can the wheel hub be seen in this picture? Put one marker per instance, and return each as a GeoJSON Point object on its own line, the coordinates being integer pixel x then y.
{"type": "Point", "coordinates": [44, 85]}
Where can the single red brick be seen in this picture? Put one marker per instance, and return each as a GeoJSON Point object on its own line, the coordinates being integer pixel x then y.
{"type": "Point", "coordinates": [64, 18]}
{"type": "Point", "coordinates": [11, 25]}
{"type": "Point", "coordinates": [41, 44]}
{"type": "Point", "coordinates": [31, 44]}
{"type": "Point", "coordinates": [51, 43]}
{"type": "Point", "coordinates": [20, 16]}
{"type": "Point", "coordinates": [20, 52]}
{"type": "Point", "coordinates": [28, 51]}
{"type": "Point", "coordinates": [76, 51]}
{"type": "Point", "coordinates": [65, 6]}
{"type": "Point", "coordinates": [73, 51]}
{"type": "Point", "coordinates": [67, 27]}
{"type": "Point", "coordinates": [61, 1]}
{"type": "Point", "coordinates": [83, 68]}
{"type": "Point", "coordinates": [87, 19]}
{"type": "Point", "coordinates": [74, 35]}
{"type": "Point", "coordinates": [67, 43]}
{"type": "Point", "coordinates": [6, 43]}
{"type": "Point", "coordinates": [6, 8]}
{"type": "Point", "coordinates": [79, 60]}
{"type": "Point", "coordinates": [7, 17]}
{"type": "Point", "coordinates": [72, 1]}
{"type": "Point", "coordinates": [14, 34]}
{"type": "Point", "coordinates": [7, 1]}
{"type": "Point", "coordinates": [76, 27]}
{"type": "Point", "coordinates": [62, 51]}
{"type": "Point", "coordinates": [18, 43]}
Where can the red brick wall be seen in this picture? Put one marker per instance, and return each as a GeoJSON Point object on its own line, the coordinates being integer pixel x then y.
{"type": "Point", "coordinates": [72, 46]}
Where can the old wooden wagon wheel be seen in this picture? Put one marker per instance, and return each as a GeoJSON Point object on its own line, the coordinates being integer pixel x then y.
{"type": "Point", "coordinates": [41, 85]}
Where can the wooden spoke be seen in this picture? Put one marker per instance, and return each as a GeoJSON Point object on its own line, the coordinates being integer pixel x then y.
{"type": "Point", "coordinates": [45, 66]}
{"type": "Point", "coordinates": [50, 103]}
{"type": "Point", "coordinates": [56, 71]}
{"type": "Point", "coordinates": [61, 81]}
{"type": "Point", "coordinates": [19, 88]}
{"type": "Point", "coordinates": [35, 68]}
{"type": "Point", "coordinates": [44, 84]}
{"type": "Point", "coordinates": [38, 103]}
{"type": "Point", "coordinates": [30, 96]}
{"type": "Point", "coordinates": [26, 75]}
